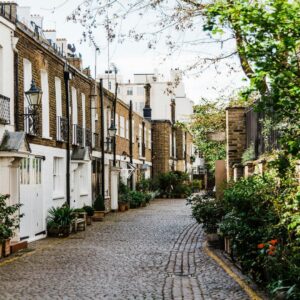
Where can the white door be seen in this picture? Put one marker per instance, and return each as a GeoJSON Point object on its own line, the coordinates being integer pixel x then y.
{"type": "Point", "coordinates": [114, 189]}
{"type": "Point", "coordinates": [32, 224]}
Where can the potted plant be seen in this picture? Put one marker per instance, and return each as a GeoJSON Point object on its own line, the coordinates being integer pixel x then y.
{"type": "Point", "coordinates": [99, 208]}
{"type": "Point", "coordinates": [9, 221]}
{"type": "Point", "coordinates": [89, 214]}
{"type": "Point", "coordinates": [59, 221]}
{"type": "Point", "coordinates": [123, 202]}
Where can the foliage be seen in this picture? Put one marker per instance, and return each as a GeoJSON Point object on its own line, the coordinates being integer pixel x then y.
{"type": "Point", "coordinates": [207, 211]}
{"type": "Point", "coordinates": [173, 184]}
{"type": "Point", "coordinates": [89, 210]}
{"type": "Point", "coordinates": [145, 185]}
{"type": "Point", "coordinates": [99, 203]}
{"type": "Point", "coordinates": [267, 38]}
{"type": "Point", "coordinates": [136, 198]}
{"type": "Point", "coordinates": [196, 185]}
{"type": "Point", "coordinates": [60, 218]}
{"type": "Point", "coordinates": [9, 218]}
{"type": "Point", "coordinates": [249, 154]}
{"type": "Point", "coordinates": [209, 118]}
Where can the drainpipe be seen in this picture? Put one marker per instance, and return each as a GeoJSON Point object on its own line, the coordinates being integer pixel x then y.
{"type": "Point", "coordinates": [102, 138]}
{"type": "Point", "coordinates": [16, 86]}
{"type": "Point", "coordinates": [67, 89]}
{"type": "Point", "coordinates": [114, 112]}
{"type": "Point", "coordinates": [130, 141]}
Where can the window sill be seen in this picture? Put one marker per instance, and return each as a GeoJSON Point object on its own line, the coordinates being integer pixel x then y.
{"type": "Point", "coordinates": [58, 197]}
{"type": "Point", "coordinates": [84, 194]}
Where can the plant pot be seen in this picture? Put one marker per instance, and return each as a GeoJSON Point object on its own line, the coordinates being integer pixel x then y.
{"type": "Point", "coordinates": [88, 220]}
{"type": "Point", "coordinates": [6, 247]}
{"type": "Point", "coordinates": [1, 249]}
{"type": "Point", "coordinates": [122, 207]}
{"type": "Point", "coordinates": [98, 216]}
{"type": "Point", "coordinates": [127, 206]}
{"type": "Point", "coordinates": [143, 204]}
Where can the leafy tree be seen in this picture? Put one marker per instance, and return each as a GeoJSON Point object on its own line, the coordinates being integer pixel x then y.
{"type": "Point", "coordinates": [209, 118]}
{"type": "Point", "coordinates": [266, 35]}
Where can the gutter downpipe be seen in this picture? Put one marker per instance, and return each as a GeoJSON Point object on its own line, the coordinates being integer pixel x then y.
{"type": "Point", "coordinates": [130, 141]}
{"type": "Point", "coordinates": [102, 138]}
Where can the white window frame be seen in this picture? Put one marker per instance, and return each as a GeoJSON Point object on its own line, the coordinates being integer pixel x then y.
{"type": "Point", "coordinates": [140, 140]}
{"type": "Point", "coordinates": [58, 182]}
{"type": "Point", "coordinates": [127, 129]}
{"type": "Point", "coordinates": [74, 106]}
{"type": "Point", "coordinates": [133, 136]}
{"type": "Point", "coordinates": [117, 124]}
{"type": "Point", "coordinates": [149, 139]}
{"type": "Point", "coordinates": [45, 104]}
{"type": "Point", "coordinates": [122, 126]}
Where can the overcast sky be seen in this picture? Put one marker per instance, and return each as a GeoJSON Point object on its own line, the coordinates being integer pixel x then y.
{"type": "Point", "coordinates": [132, 57]}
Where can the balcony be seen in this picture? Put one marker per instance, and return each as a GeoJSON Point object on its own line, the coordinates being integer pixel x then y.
{"type": "Point", "coordinates": [88, 138]}
{"type": "Point", "coordinates": [4, 110]}
{"type": "Point", "coordinates": [77, 138]}
{"type": "Point", "coordinates": [31, 122]}
{"type": "Point", "coordinates": [62, 129]}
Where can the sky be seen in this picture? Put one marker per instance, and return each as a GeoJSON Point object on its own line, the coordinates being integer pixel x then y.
{"type": "Point", "coordinates": [135, 57]}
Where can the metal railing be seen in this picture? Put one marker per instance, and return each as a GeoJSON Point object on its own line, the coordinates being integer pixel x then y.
{"type": "Point", "coordinates": [77, 137]}
{"type": "Point", "coordinates": [262, 140]}
{"type": "Point", "coordinates": [62, 129]}
{"type": "Point", "coordinates": [31, 122]}
{"type": "Point", "coordinates": [4, 110]}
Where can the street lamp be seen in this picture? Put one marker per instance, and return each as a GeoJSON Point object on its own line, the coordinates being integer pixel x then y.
{"type": "Point", "coordinates": [34, 97]}
{"type": "Point", "coordinates": [112, 130]}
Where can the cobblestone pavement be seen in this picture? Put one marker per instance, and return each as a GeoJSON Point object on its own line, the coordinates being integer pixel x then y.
{"type": "Point", "coordinates": [150, 253]}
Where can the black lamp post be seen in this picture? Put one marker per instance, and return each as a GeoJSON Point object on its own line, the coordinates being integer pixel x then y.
{"type": "Point", "coordinates": [34, 98]}
{"type": "Point", "coordinates": [110, 140]}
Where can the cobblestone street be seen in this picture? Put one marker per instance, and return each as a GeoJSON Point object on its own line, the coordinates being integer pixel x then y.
{"type": "Point", "coordinates": [151, 253]}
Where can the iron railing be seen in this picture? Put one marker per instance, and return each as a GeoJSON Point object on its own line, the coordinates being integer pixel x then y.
{"type": "Point", "coordinates": [62, 129]}
{"type": "Point", "coordinates": [4, 110]}
{"type": "Point", "coordinates": [77, 139]}
{"type": "Point", "coordinates": [256, 136]}
{"type": "Point", "coordinates": [31, 121]}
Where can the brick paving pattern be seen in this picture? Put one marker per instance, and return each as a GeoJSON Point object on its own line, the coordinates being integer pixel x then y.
{"type": "Point", "coordinates": [151, 253]}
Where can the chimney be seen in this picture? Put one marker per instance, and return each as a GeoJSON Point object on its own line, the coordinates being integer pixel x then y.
{"type": "Point", "coordinates": [8, 10]}
{"type": "Point", "coordinates": [76, 62]}
{"type": "Point", "coordinates": [87, 72]}
{"type": "Point", "coordinates": [147, 108]}
{"type": "Point", "coordinates": [62, 45]}
{"type": "Point", "coordinates": [50, 35]}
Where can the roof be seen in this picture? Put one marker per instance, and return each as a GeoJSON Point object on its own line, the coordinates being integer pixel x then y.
{"type": "Point", "coordinates": [14, 142]}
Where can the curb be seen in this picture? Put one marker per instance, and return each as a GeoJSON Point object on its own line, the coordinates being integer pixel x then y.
{"type": "Point", "coordinates": [253, 295]}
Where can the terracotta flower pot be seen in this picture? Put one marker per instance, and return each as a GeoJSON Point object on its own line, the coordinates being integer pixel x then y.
{"type": "Point", "coordinates": [122, 207]}
{"type": "Point", "coordinates": [1, 250]}
{"type": "Point", "coordinates": [98, 216]}
{"type": "Point", "coordinates": [127, 206]}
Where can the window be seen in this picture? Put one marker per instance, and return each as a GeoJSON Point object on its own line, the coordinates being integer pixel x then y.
{"type": "Point", "coordinates": [140, 140]}
{"type": "Point", "coordinates": [127, 129]}
{"type": "Point", "coordinates": [133, 136]}
{"type": "Point", "coordinates": [117, 124]}
{"type": "Point", "coordinates": [129, 91]}
{"type": "Point", "coordinates": [140, 91]}
{"type": "Point", "coordinates": [58, 189]}
{"type": "Point", "coordinates": [183, 143]}
{"type": "Point", "coordinates": [109, 85]}
{"type": "Point", "coordinates": [27, 74]}
{"type": "Point", "coordinates": [31, 171]}
{"type": "Point", "coordinates": [74, 107]}
{"type": "Point", "coordinates": [58, 97]}
{"type": "Point", "coordinates": [45, 104]}
{"type": "Point", "coordinates": [149, 139]}
{"type": "Point", "coordinates": [174, 145]}
{"type": "Point", "coordinates": [171, 145]}
{"type": "Point", "coordinates": [122, 126]}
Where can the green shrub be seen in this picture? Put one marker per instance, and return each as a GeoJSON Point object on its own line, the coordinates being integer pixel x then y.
{"type": "Point", "coordinates": [136, 198]}
{"type": "Point", "coordinates": [9, 220]}
{"type": "Point", "coordinates": [89, 210]}
{"type": "Point", "coordinates": [145, 185]}
{"type": "Point", "coordinates": [207, 210]}
{"type": "Point", "coordinates": [99, 204]}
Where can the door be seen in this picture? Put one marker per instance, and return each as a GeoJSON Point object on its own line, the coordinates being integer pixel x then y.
{"type": "Point", "coordinates": [32, 224]}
